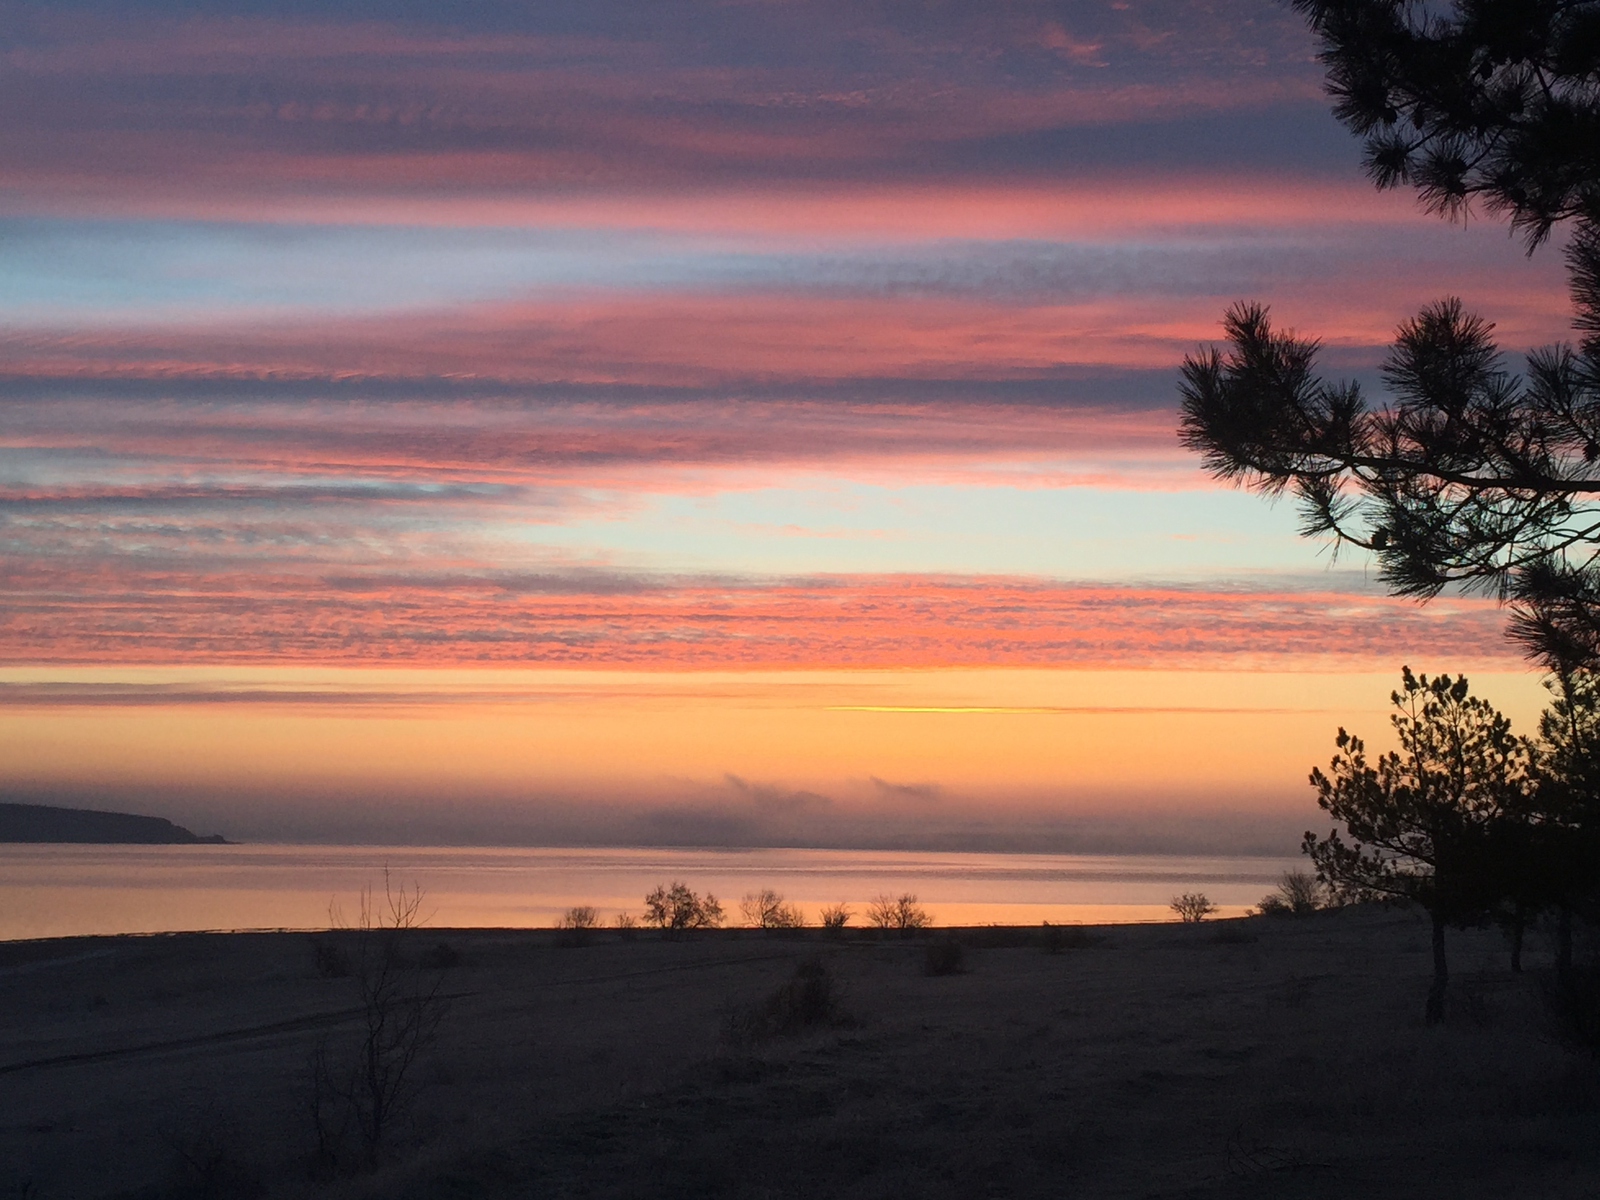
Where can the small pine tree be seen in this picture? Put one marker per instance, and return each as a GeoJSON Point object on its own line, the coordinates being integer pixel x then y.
{"type": "Point", "coordinates": [1422, 821]}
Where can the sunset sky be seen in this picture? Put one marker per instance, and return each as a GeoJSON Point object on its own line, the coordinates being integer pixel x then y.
{"type": "Point", "coordinates": [691, 423]}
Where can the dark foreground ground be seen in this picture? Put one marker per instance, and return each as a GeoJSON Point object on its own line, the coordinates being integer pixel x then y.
{"type": "Point", "coordinates": [1256, 1058]}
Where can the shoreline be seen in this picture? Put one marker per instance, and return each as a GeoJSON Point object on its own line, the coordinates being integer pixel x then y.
{"type": "Point", "coordinates": [63, 890]}
{"type": "Point", "coordinates": [995, 934]}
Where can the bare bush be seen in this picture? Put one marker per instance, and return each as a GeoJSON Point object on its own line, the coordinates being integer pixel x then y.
{"type": "Point", "coordinates": [903, 914]}
{"type": "Point", "coordinates": [1298, 894]}
{"type": "Point", "coordinates": [767, 909]}
{"type": "Point", "coordinates": [209, 1156]}
{"type": "Point", "coordinates": [753, 906]}
{"type": "Point", "coordinates": [627, 926]}
{"type": "Point", "coordinates": [359, 1091]}
{"type": "Point", "coordinates": [1300, 891]}
{"type": "Point", "coordinates": [1192, 907]}
{"type": "Point", "coordinates": [580, 917]}
{"type": "Point", "coordinates": [834, 919]}
{"type": "Point", "coordinates": [807, 999]}
{"type": "Point", "coordinates": [674, 907]}
{"type": "Point", "coordinates": [577, 926]}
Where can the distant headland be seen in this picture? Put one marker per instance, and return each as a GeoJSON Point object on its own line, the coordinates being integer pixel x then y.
{"type": "Point", "coordinates": [43, 823]}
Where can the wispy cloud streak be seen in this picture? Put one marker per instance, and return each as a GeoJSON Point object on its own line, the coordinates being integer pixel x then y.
{"type": "Point", "coordinates": [595, 620]}
{"type": "Point", "coordinates": [512, 98]}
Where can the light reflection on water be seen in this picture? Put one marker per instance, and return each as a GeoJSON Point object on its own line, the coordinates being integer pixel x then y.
{"type": "Point", "coordinates": [55, 890]}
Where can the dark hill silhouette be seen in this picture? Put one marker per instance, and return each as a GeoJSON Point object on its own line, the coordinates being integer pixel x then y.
{"type": "Point", "coordinates": [43, 823]}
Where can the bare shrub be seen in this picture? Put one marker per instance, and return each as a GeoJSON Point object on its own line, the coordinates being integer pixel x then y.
{"type": "Point", "coordinates": [903, 914]}
{"type": "Point", "coordinates": [754, 906]}
{"type": "Point", "coordinates": [580, 917]}
{"type": "Point", "coordinates": [359, 1091]}
{"type": "Point", "coordinates": [674, 907]}
{"type": "Point", "coordinates": [577, 926]}
{"type": "Point", "coordinates": [1192, 907]}
{"type": "Point", "coordinates": [767, 909]}
{"type": "Point", "coordinates": [1274, 905]}
{"type": "Point", "coordinates": [809, 998]}
{"type": "Point", "coordinates": [1300, 891]}
{"type": "Point", "coordinates": [208, 1156]}
{"type": "Point", "coordinates": [944, 957]}
{"type": "Point", "coordinates": [834, 919]}
{"type": "Point", "coordinates": [627, 926]}
{"type": "Point", "coordinates": [710, 912]}
{"type": "Point", "coordinates": [910, 915]}
{"type": "Point", "coordinates": [1298, 894]}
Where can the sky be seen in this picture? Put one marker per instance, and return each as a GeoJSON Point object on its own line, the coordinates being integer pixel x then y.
{"type": "Point", "coordinates": [712, 423]}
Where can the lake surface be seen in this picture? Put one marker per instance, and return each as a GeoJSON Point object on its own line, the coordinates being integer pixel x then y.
{"type": "Point", "coordinates": [54, 891]}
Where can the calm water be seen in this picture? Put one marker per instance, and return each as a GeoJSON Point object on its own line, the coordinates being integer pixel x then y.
{"type": "Point", "coordinates": [51, 891]}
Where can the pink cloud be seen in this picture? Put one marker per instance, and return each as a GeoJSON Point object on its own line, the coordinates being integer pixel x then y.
{"type": "Point", "coordinates": [698, 337]}
{"type": "Point", "coordinates": [370, 616]}
{"type": "Point", "coordinates": [500, 189]}
{"type": "Point", "coordinates": [630, 442]}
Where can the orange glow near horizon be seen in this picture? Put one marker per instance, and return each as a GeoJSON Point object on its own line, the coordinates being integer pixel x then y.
{"type": "Point", "coordinates": [1019, 739]}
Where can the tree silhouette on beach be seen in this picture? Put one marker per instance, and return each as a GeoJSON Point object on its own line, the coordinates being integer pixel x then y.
{"type": "Point", "coordinates": [901, 913]}
{"type": "Point", "coordinates": [1422, 822]}
{"type": "Point", "coordinates": [675, 907]}
{"type": "Point", "coordinates": [766, 909]}
{"type": "Point", "coordinates": [366, 1087]}
{"type": "Point", "coordinates": [1468, 476]}
{"type": "Point", "coordinates": [1192, 907]}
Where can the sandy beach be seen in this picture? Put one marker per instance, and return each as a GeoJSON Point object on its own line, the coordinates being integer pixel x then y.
{"type": "Point", "coordinates": [1259, 1057]}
